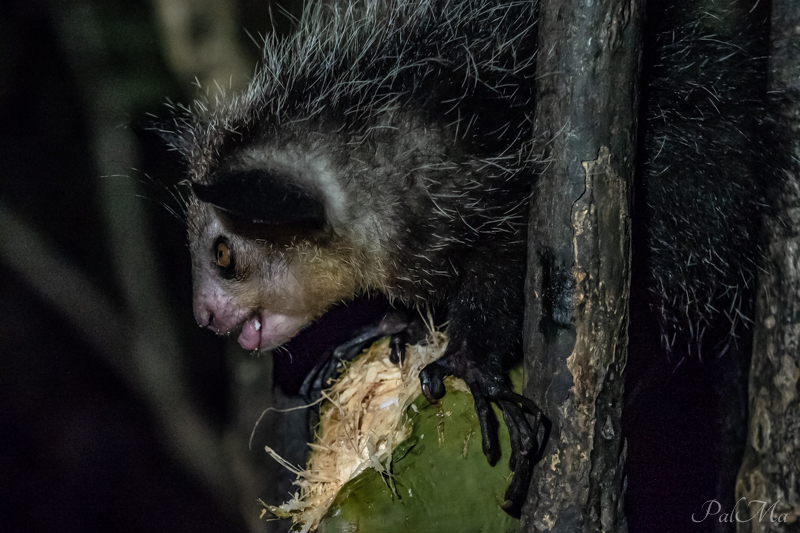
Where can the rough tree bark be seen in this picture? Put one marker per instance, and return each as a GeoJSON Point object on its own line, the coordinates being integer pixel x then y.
{"type": "Point", "coordinates": [579, 260]}
{"type": "Point", "coordinates": [768, 488]}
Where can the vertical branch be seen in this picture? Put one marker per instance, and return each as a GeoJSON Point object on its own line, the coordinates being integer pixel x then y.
{"type": "Point", "coordinates": [199, 42]}
{"type": "Point", "coordinates": [768, 487]}
{"type": "Point", "coordinates": [153, 354]}
{"type": "Point", "coordinates": [579, 260]}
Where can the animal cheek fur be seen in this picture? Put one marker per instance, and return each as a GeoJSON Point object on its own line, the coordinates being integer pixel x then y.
{"type": "Point", "coordinates": [326, 276]}
{"type": "Point", "coordinates": [303, 279]}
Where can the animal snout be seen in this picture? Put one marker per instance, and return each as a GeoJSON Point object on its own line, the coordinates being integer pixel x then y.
{"type": "Point", "coordinates": [204, 316]}
{"type": "Point", "coordinates": [216, 313]}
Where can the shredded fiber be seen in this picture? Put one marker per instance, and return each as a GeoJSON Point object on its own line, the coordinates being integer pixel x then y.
{"type": "Point", "coordinates": [362, 420]}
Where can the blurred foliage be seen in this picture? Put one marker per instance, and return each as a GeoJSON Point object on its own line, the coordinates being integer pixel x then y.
{"type": "Point", "coordinates": [80, 449]}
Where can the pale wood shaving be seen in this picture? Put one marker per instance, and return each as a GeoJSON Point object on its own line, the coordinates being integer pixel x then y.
{"type": "Point", "coordinates": [361, 422]}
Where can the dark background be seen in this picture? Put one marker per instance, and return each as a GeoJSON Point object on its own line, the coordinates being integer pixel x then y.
{"type": "Point", "coordinates": [97, 432]}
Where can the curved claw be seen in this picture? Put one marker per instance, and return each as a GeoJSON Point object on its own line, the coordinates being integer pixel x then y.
{"type": "Point", "coordinates": [524, 448]}
{"type": "Point", "coordinates": [397, 347]}
{"type": "Point", "coordinates": [513, 397]}
{"type": "Point", "coordinates": [400, 325]}
{"type": "Point", "coordinates": [432, 380]}
{"type": "Point", "coordinates": [515, 430]}
{"type": "Point", "coordinates": [488, 422]}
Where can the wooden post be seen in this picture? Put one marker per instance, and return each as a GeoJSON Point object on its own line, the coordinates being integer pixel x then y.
{"type": "Point", "coordinates": [768, 487]}
{"type": "Point", "coordinates": [579, 260]}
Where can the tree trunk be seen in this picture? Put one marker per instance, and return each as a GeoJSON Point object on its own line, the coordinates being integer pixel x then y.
{"type": "Point", "coordinates": [768, 488]}
{"type": "Point", "coordinates": [579, 260]}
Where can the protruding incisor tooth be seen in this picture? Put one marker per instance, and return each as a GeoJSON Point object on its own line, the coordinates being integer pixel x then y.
{"type": "Point", "coordinates": [257, 324]}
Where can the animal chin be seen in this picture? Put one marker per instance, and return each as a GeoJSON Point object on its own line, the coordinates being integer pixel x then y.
{"type": "Point", "coordinates": [265, 331]}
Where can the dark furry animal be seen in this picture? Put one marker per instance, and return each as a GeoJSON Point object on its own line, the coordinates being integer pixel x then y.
{"type": "Point", "coordinates": [711, 159]}
{"type": "Point", "coordinates": [386, 147]}
{"type": "Point", "coordinates": [712, 156]}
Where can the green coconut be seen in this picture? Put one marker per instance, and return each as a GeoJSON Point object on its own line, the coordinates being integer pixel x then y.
{"type": "Point", "coordinates": [386, 460]}
{"type": "Point", "coordinates": [440, 481]}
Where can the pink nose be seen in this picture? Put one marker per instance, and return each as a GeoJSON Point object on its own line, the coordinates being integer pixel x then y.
{"type": "Point", "coordinates": [203, 315]}
{"type": "Point", "coordinates": [216, 311]}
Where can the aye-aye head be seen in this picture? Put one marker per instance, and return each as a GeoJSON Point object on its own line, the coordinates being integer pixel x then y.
{"type": "Point", "coordinates": [275, 241]}
{"type": "Point", "coordinates": [283, 226]}
{"type": "Point", "coordinates": [304, 184]}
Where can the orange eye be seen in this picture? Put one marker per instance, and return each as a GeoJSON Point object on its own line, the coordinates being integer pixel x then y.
{"type": "Point", "coordinates": [223, 255]}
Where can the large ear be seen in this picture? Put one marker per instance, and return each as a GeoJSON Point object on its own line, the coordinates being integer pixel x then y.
{"type": "Point", "coordinates": [259, 197]}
